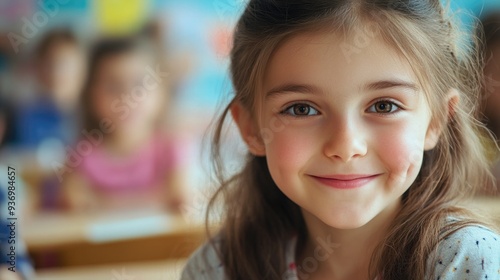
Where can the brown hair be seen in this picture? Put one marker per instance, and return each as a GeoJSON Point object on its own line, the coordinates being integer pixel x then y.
{"type": "Point", "coordinates": [260, 219]}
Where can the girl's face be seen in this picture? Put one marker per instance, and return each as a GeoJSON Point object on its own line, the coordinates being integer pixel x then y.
{"type": "Point", "coordinates": [343, 130]}
{"type": "Point", "coordinates": [125, 92]}
{"type": "Point", "coordinates": [61, 71]}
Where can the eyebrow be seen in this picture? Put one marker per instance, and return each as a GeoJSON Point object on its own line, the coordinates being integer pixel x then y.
{"type": "Point", "coordinates": [395, 83]}
{"type": "Point", "coordinates": [290, 87]}
{"type": "Point", "coordinates": [373, 86]}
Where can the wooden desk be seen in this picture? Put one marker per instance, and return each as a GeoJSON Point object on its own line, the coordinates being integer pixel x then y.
{"type": "Point", "coordinates": [76, 240]}
{"type": "Point", "coordinates": [79, 240]}
{"type": "Point", "coordinates": [159, 270]}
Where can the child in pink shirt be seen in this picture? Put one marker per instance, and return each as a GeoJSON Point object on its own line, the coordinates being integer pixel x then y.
{"type": "Point", "coordinates": [132, 162]}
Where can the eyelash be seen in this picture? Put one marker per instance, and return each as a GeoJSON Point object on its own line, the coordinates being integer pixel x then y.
{"type": "Point", "coordinates": [392, 112]}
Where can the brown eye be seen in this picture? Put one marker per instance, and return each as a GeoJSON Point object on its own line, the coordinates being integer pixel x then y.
{"type": "Point", "coordinates": [300, 109]}
{"type": "Point", "coordinates": [384, 107]}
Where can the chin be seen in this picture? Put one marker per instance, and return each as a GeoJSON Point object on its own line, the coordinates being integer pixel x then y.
{"type": "Point", "coordinates": [347, 221]}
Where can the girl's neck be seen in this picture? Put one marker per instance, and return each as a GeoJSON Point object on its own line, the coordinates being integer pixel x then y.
{"type": "Point", "coordinates": [342, 254]}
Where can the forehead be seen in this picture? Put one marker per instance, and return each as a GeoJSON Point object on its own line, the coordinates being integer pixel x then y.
{"type": "Point", "coordinates": [330, 60]}
{"type": "Point", "coordinates": [126, 62]}
{"type": "Point", "coordinates": [62, 46]}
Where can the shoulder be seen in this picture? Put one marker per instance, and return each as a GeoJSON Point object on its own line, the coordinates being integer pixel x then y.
{"type": "Point", "coordinates": [471, 252]}
{"type": "Point", "coordinates": [204, 264]}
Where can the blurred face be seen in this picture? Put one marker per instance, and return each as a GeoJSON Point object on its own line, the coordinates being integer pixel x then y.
{"type": "Point", "coordinates": [126, 92]}
{"type": "Point", "coordinates": [348, 133]}
{"type": "Point", "coordinates": [61, 72]}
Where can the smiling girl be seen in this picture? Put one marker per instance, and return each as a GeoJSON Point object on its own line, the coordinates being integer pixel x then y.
{"type": "Point", "coordinates": [359, 121]}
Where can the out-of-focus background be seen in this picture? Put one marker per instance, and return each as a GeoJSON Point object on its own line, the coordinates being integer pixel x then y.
{"type": "Point", "coordinates": [104, 105]}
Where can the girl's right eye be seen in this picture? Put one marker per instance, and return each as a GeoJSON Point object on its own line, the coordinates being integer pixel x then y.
{"type": "Point", "coordinates": [300, 110]}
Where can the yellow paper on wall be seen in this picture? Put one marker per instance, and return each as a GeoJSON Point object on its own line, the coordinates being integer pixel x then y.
{"type": "Point", "coordinates": [118, 17]}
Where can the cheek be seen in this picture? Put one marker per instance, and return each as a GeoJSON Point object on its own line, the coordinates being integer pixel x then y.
{"type": "Point", "coordinates": [105, 105]}
{"type": "Point", "coordinates": [154, 101]}
{"type": "Point", "coordinates": [101, 104]}
{"type": "Point", "coordinates": [401, 150]}
{"type": "Point", "coordinates": [288, 151]}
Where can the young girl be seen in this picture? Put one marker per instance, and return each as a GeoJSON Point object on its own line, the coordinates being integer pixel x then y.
{"type": "Point", "coordinates": [129, 161]}
{"type": "Point", "coordinates": [359, 120]}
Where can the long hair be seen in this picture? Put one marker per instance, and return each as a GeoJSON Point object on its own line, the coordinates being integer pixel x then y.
{"type": "Point", "coordinates": [260, 219]}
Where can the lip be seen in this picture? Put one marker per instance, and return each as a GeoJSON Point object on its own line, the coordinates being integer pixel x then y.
{"type": "Point", "coordinates": [345, 181]}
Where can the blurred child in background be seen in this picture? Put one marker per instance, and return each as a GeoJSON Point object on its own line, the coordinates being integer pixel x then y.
{"type": "Point", "coordinates": [132, 162]}
{"type": "Point", "coordinates": [491, 104]}
{"type": "Point", "coordinates": [50, 113]}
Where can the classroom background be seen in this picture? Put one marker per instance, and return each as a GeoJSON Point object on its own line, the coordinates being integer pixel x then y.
{"type": "Point", "coordinates": [74, 222]}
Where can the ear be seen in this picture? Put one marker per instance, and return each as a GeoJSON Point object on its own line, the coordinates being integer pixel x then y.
{"type": "Point", "coordinates": [248, 129]}
{"type": "Point", "coordinates": [434, 131]}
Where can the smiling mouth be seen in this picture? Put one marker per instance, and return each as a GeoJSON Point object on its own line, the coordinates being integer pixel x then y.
{"type": "Point", "coordinates": [345, 181]}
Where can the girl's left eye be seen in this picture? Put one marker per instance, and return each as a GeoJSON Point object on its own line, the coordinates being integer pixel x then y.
{"type": "Point", "coordinates": [300, 110]}
{"type": "Point", "coordinates": [384, 107]}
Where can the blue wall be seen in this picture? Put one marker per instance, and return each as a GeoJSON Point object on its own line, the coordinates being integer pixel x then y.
{"type": "Point", "coordinates": [478, 8]}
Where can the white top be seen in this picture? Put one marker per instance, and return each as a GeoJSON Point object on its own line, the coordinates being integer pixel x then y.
{"type": "Point", "coordinates": [472, 252]}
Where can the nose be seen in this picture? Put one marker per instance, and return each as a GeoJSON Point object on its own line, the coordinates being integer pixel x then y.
{"type": "Point", "coordinates": [345, 141]}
